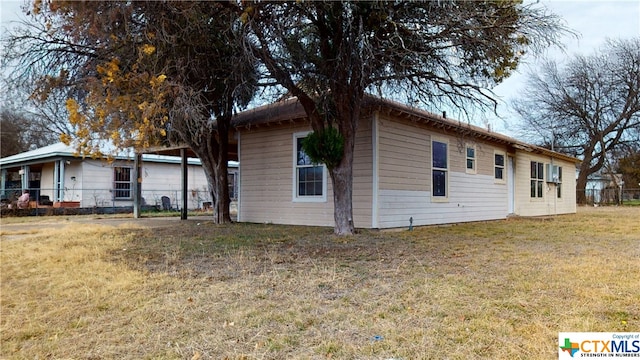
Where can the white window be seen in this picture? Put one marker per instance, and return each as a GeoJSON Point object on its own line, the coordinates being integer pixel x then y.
{"type": "Point", "coordinates": [310, 180]}
{"type": "Point", "coordinates": [559, 183]}
{"type": "Point", "coordinates": [122, 183]}
{"type": "Point", "coordinates": [471, 159]}
{"type": "Point", "coordinates": [439, 169]}
{"type": "Point", "coordinates": [537, 179]}
{"type": "Point", "coordinates": [498, 166]}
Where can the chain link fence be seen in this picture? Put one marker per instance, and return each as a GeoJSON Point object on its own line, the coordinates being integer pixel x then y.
{"type": "Point", "coordinates": [114, 200]}
{"type": "Point", "coordinates": [611, 196]}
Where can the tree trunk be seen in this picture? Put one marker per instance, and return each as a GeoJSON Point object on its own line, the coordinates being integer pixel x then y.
{"type": "Point", "coordinates": [342, 180]}
{"type": "Point", "coordinates": [342, 174]}
{"type": "Point", "coordinates": [581, 188]}
{"type": "Point", "coordinates": [221, 212]}
{"type": "Point", "coordinates": [213, 153]}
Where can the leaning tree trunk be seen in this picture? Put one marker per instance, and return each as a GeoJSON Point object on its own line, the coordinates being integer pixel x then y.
{"type": "Point", "coordinates": [221, 212]}
{"type": "Point", "coordinates": [213, 154]}
{"type": "Point", "coordinates": [581, 185]}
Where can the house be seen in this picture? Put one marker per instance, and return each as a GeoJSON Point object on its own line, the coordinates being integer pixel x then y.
{"type": "Point", "coordinates": [55, 176]}
{"type": "Point", "coordinates": [603, 188]}
{"type": "Point", "coordinates": [408, 164]}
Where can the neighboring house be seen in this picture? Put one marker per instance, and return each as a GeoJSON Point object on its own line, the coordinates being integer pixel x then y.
{"type": "Point", "coordinates": [408, 164]}
{"type": "Point", "coordinates": [54, 174]}
{"type": "Point", "coordinates": [603, 188]}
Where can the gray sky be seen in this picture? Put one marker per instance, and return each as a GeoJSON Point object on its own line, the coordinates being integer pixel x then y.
{"type": "Point", "coordinates": [593, 20]}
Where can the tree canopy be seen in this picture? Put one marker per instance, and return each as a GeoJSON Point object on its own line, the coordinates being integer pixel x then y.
{"type": "Point", "coordinates": [588, 108]}
{"type": "Point", "coordinates": [143, 73]}
{"type": "Point", "coordinates": [329, 53]}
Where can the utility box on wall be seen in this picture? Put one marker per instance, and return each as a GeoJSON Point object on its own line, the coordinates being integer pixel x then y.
{"type": "Point", "coordinates": [554, 173]}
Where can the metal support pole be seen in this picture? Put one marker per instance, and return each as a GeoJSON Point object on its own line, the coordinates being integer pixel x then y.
{"type": "Point", "coordinates": [137, 185]}
{"type": "Point", "coordinates": [184, 169]}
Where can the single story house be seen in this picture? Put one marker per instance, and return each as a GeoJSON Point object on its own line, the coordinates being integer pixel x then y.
{"type": "Point", "coordinates": [408, 164]}
{"type": "Point", "coordinates": [55, 176]}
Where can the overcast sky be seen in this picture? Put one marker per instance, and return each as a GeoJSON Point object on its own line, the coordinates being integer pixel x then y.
{"type": "Point", "coordinates": [594, 21]}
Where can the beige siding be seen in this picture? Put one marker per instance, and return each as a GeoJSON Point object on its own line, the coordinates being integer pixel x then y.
{"type": "Point", "coordinates": [267, 179]}
{"type": "Point", "coordinates": [402, 156]}
{"type": "Point", "coordinates": [363, 175]}
{"type": "Point", "coordinates": [549, 204]}
{"type": "Point", "coordinates": [399, 153]}
{"type": "Point", "coordinates": [405, 179]}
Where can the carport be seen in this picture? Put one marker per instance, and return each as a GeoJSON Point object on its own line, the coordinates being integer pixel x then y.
{"type": "Point", "coordinates": [184, 152]}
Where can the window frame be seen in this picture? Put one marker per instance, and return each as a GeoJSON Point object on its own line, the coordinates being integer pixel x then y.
{"type": "Point", "coordinates": [446, 170]}
{"type": "Point", "coordinates": [232, 177]}
{"type": "Point", "coordinates": [117, 182]}
{"type": "Point", "coordinates": [295, 179]}
{"type": "Point", "coordinates": [503, 167]}
{"type": "Point", "coordinates": [537, 180]}
{"type": "Point", "coordinates": [474, 159]}
{"type": "Point", "coordinates": [559, 184]}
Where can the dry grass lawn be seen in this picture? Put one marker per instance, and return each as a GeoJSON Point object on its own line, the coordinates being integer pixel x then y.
{"type": "Point", "coordinates": [495, 290]}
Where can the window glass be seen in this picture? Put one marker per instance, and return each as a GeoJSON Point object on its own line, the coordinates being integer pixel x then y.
{"type": "Point", "coordinates": [309, 177]}
{"type": "Point", "coordinates": [537, 179]}
{"type": "Point", "coordinates": [122, 183]}
{"type": "Point", "coordinates": [499, 166]}
{"type": "Point", "coordinates": [559, 184]}
{"type": "Point", "coordinates": [310, 181]}
{"type": "Point", "coordinates": [540, 171]}
{"type": "Point", "coordinates": [471, 158]}
{"type": "Point", "coordinates": [439, 171]}
{"type": "Point", "coordinates": [303, 158]}
{"type": "Point", "coordinates": [439, 155]}
{"type": "Point", "coordinates": [439, 183]}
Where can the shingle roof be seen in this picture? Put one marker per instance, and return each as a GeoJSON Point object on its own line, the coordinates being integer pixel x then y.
{"type": "Point", "coordinates": [290, 109]}
{"type": "Point", "coordinates": [60, 150]}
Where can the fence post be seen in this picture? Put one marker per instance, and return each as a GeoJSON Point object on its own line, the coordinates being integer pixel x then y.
{"type": "Point", "coordinates": [184, 169]}
{"type": "Point", "coordinates": [137, 185]}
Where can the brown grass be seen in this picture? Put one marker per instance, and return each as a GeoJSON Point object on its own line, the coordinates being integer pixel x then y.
{"type": "Point", "coordinates": [496, 290]}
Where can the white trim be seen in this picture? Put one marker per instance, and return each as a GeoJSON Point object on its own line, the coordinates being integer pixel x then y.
{"type": "Point", "coordinates": [294, 188]}
{"type": "Point", "coordinates": [375, 142]}
{"type": "Point", "coordinates": [511, 185]}
{"type": "Point", "coordinates": [435, 138]}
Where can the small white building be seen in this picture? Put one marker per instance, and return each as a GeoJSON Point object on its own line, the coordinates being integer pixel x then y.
{"type": "Point", "coordinates": [603, 188]}
{"type": "Point", "coordinates": [55, 176]}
